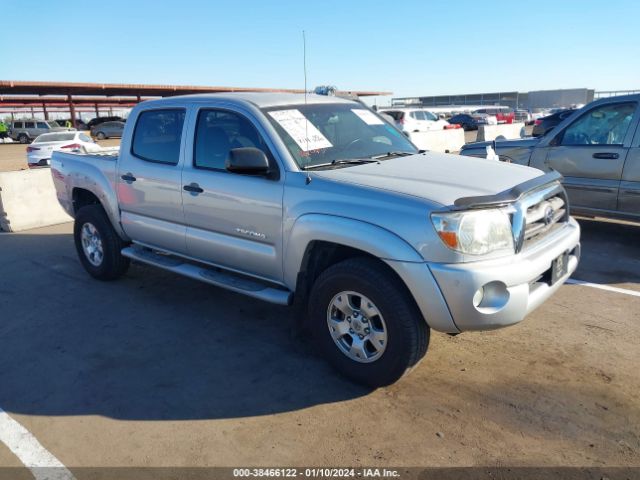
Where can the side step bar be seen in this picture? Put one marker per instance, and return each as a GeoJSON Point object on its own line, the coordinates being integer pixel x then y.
{"type": "Point", "coordinates": [220, 278]}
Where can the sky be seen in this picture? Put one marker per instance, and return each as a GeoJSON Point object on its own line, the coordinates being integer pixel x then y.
{"type": "Point", "coordinates": [408, 47]}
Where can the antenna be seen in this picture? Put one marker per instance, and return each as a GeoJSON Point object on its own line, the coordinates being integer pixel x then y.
{"type": "Point", "coordinates": [304, 64]}
{"type": "Point", "coordinates": [306, 122]}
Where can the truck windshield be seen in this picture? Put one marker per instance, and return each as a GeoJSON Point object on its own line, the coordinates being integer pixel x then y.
{"type": "Point", "coordinates": [329, 133]}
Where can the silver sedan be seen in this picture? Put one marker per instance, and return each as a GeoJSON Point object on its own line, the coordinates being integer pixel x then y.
{"type": "Point", "coordinates": [107, 130]}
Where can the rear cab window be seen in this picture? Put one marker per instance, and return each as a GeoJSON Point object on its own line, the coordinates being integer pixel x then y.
{"type": "Point", "coordinates": [158, 134]}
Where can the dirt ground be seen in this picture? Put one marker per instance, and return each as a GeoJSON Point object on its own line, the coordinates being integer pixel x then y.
{"type": "Point", "coordinates": [158, 370]}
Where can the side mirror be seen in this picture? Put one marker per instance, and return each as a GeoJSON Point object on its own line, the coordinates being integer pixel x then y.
{"type": "Point", "coordinates": [248, 161]}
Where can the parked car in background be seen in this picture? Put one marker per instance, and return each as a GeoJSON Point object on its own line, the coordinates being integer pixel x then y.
{"type": "Point", "coordinates": [596, 148]}
{"type": "Point", "coordinates": [502, 114]}
{"type": "Point", "coordinates": [40, 151]}
{"type": "Point", "coordinates": [98, 120]}
{"type": "Point", "coordinates": [545, 124]}
{"type": "Point", "coordinates": [80, 125]}
{"type": "Point", "coordinates": [524, 116]}
{"type": "Point", "coordinates": [470, 122]}
{"type": "Point", "coordinates": [411, 120]}
{"type": "Point", "coordinates": [24, 131]}
{"type": "Point", "coordinates": [107, 130]}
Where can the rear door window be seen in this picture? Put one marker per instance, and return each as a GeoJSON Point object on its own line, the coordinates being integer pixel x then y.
{"type": "Point", "coordinates": [29, 125]}
{"type": "Point", "coordinates": [157, 136]}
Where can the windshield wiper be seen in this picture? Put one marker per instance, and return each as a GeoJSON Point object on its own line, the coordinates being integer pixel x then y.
{"type": "Point", "coordinates": [345, 161]}
{"type": "Point", "coordinates": [393, 154]}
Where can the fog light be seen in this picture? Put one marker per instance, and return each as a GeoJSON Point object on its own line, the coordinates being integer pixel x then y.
{"type": "Point", "coordinates": [491, 297]}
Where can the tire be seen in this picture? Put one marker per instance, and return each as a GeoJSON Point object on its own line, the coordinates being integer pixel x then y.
{"type": "Point", "coordinates": [108, 265]}
{"type": "Point", "coordinates": [101, 136]}
{"type": "Point", "coordinates": [23, 138]}
{"type": "Point", "coordinates": [407, 334]}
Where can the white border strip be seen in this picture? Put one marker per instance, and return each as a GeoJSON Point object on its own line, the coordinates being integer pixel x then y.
{"type": "Point", "coordinates": [625, 291]}
{"type": "Point", "coordinates": [42, 464]}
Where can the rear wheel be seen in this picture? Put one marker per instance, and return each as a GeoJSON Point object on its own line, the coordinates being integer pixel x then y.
{"type": "Point", "coordinates": [101, 136]}
{"type": "Point", "coordinates": [23, 138]}
{"type": "Point", "coordinates": [365, 323]}
{"type": "Point", "coordinates": [98, 245]}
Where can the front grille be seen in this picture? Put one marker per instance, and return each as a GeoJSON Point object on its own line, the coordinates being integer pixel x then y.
{"type": "Point", "coordinates": [539, 214]}
{"type": "Point", "coordinates": [541, 217]}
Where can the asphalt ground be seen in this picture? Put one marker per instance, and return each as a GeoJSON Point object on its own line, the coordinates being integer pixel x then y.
{"type": "Point", "coordinates": [156, 370]}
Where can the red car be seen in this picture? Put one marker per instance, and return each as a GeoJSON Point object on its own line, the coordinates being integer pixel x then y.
{"type": "Point", "coordinates": [502, 114]}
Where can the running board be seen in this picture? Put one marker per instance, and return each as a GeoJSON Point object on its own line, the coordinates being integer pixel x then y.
{"type": "Point", "coordinates": [220, 278]}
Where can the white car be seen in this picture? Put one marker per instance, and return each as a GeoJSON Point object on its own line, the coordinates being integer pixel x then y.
{"type": "Point", "coordinates": [39, 152]}
{"type": "Point", "coordinates": [411, 120]}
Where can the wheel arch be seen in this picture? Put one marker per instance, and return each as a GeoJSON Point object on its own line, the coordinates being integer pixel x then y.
{"type": "Point", "coordinates": [318, 240]}
{"type": "Point", "coordinates": [82, 196]}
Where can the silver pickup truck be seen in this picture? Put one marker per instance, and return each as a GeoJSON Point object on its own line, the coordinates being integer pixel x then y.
{"type": "Point", "coordinates": [320, 201]}
{"type": "Point", "coordinates": [596, 149]}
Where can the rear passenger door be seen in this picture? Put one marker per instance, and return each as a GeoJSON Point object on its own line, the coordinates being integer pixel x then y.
{"type": "Point", "coordinates": [149, 179]}
{"type": "Point", "coordinates": [590, 153]}
{"type": "Point", "coordinates": [233, 220]}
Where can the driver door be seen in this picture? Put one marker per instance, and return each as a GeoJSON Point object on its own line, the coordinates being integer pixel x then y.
{"type": "Point", "coordinates": [590, 154]}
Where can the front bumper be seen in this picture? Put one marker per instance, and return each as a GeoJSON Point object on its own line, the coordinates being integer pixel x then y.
{"type": "Point", "coordinates": [35, 159]}
{"type": "Point", "coordinates": [519, 283]}
{"type": "Point", "coordinates": [514, 286]}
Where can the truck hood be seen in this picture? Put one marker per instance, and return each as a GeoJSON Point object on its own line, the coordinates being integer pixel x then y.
{"type": "Point", "coordinates": [437, 177]}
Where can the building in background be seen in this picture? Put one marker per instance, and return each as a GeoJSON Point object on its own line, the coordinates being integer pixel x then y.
{"type": "Point", "coordinates": [539, 99]}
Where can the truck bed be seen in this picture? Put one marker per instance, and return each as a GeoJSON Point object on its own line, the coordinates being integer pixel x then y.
{"type": "Point", "coordinates": [83, 170]}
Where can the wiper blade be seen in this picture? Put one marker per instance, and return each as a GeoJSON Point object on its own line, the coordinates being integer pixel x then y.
{"type": "Point", "coordinates": [345, 161]}
{"type": "Point", "coordinates": [393, 154]}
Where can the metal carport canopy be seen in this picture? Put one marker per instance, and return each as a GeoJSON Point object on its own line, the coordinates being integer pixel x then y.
{"type": "Point", "coordinates": [21, 94]}
{"type": "Point", "coordinates": [12, 87]}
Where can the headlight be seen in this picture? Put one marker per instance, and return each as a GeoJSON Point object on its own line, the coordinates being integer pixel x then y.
{"type": "Point", "coordinates": [476, 232]}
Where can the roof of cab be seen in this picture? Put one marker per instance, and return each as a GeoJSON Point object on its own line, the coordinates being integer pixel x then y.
{"type": "Point", "coordinates": [260, 100]}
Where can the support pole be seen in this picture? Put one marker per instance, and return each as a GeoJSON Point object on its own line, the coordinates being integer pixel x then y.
{"type": "Point", "coordinates": [44, 110]}
{"type": "Point", "coordinates": [72, 111]}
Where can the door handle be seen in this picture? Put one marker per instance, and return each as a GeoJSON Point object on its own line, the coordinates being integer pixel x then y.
{"type": "Point", "coordinates": [606, 155]}
{"type": "Point", "coordinates": [127, 177]}
{"type": "Point", "coordinates": [193, 188]}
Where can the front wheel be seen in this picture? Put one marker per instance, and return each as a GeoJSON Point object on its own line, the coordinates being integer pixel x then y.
{"type": "Point", "coordinates": [98, 244]}
{"type": "Point", "coordinates": [365, 323]}
{"type": "Point", "coordinates": [101, 136]}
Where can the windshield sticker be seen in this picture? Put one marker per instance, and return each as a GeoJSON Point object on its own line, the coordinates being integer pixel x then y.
{"type": "Point", "coordinates": [367, 117]}
{"type": "Point", "coordinates": [305, 134]}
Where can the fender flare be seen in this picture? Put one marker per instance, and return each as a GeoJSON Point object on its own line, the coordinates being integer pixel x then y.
{"type": "Point", "coordinates": [364, 236]}
{"type": "Point", "coordinates": [105, 194]}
